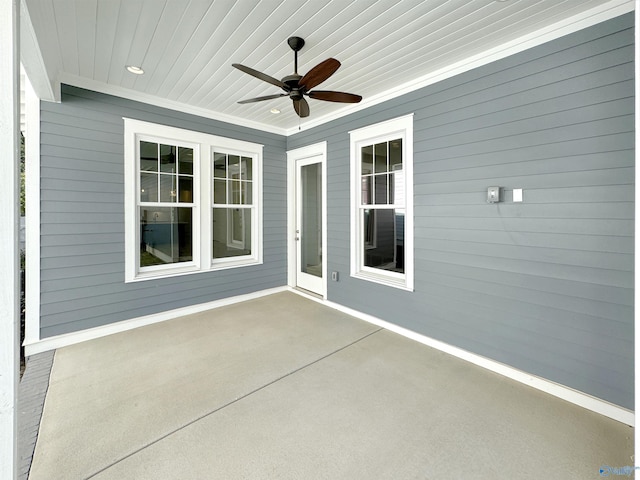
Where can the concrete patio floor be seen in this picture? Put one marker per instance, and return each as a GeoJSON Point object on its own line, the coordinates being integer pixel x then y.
{"type": "Point", "coordinates": [283, 387]}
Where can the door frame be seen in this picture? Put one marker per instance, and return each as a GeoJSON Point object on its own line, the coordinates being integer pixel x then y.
{"type": "Point", "coordinates": [316, 150]}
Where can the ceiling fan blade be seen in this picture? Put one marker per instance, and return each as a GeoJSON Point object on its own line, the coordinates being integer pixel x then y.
{"type": "Point", "coordinates": [262, 76]}
{"type": "Point", "coordinates": [301, 107]}
{"type": "Point", "coordinates": [260, 99]}
{"type": "Point", "coordinates": [330, 96]}
{"type": "Point", "coordinates": [319, 73]}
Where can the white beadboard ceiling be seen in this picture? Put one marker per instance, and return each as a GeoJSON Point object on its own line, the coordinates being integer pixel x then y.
{"type": "Point", "coordinates": [186, 47]}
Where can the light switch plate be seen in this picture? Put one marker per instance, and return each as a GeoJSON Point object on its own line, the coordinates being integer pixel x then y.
{"type": "Point", "coordinates": [517, 195]}
{"type": "Point", "coordinates": [493, 194]}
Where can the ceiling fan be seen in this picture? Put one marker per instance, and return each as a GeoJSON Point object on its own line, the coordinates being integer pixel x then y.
{"type": "Point", "coordinates": [297, 86]}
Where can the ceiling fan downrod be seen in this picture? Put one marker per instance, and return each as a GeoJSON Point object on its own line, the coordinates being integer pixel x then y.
{"type": "Point", "coordinates": [296, 44]}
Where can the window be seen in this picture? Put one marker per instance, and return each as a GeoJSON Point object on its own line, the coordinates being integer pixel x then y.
{"type": "Point", "coordinates": [165, 204]}
{"type": "Point", "coordinates": [192, 201]}
{"type": "Point", "coordinates": [232, 205]}
{"type": "Point", "coordinates": [382, 203]}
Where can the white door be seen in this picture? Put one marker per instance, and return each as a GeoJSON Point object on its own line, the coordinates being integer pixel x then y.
{"type": "Point", "coordinates": [309, 225]}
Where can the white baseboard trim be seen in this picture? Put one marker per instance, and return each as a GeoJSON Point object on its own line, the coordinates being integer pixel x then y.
{"type": "Point", "coordinates": [576, 397]}
{"type": "Point", "coordinates": [67, 339]}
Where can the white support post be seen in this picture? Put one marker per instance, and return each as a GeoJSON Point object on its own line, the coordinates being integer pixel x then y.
{"type": "Point", "coordinates": [9, 231]}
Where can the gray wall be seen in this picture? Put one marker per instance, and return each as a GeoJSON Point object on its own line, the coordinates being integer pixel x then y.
{"type": "Point", "coordinates": [545, 286]}
{"type": "Point", "coordinates": [82, 217]}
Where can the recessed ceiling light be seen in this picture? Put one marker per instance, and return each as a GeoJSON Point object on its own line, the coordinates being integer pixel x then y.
{"type": "Point", "coordinates": [275, 111]}
{"type": "Point", "coordinates": [134, 69]}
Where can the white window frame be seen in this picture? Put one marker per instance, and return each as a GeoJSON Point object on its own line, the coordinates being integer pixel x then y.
{"type": "Point", "coordinates": [204, 145]}
{"type": "Point", "coordinates": [401, 127]}
{"type": "Point", "coordinates": [255, 208]}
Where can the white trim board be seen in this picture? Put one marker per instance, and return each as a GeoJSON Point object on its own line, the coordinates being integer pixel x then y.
{"type": "Point", "coordinates": [576, 397]}
{"type": "Point", "coordinates": [9, 221]}
{"type": "Point", "coordinates": [32, 217]}
{"type": "Point", "coordinates": [149, 99]}
{"type": "Point", "coordinates": [67, 339]}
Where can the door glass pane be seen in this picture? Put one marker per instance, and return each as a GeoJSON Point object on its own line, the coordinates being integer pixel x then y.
{"type": "Point", "coordinates": [311, 228]}
{"type": "Point", "coordinates": [166, 235]}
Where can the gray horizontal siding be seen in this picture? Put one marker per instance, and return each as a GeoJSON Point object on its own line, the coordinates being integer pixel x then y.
{"type": "Point", "coordinates": [545, 286]}
{"type": "Point", "coordinates": [82, 217]}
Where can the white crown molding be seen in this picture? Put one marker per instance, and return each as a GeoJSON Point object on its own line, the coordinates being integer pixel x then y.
{"type": "Point", "coordinates": [129, 94]}
{"type": "Point", "coordinates": [586, 19]}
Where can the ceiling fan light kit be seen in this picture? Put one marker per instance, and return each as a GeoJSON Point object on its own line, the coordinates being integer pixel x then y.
{"type": "Point", "coordinates": [296, 86]}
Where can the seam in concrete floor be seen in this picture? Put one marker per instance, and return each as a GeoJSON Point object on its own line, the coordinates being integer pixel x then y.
{"type": "Point", "coordinates": [196, 420]}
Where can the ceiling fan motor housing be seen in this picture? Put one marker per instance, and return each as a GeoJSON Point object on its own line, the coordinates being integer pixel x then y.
{"type": "Point", "coordinates": [291, 84]}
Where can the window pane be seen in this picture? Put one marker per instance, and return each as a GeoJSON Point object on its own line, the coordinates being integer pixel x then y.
{"type": "Point", "coordinates": [185, 189]}
{"type": "Point", "coordinates": [185, 160]}
{"type": "Point", "coordinates": [367, 190]}
{"type": "Point", "coordinates": [367, 159]}
{"type": "Point", "coordinates": [380, 152]}
{"type": "Point", "coordinates": [383, 239]}
{"type": "Point", "coordinates": [247, 194]}
{"type": "Point", "coordinates": [167, 158]}
{"type": "Point", "coordinates": [247, 168]}
{"type": "Point", "coordinates": [219, 165]}
{"type": "Point", "coordinates": [168, 188]}
{"type": "Point", "coordinates": [369, 228]}
{"type": "Point", "coordinates": [395, 154]}
{"type": "Point", "coordinates": [148, 187]}
{"type": "Point", "coordinates": [231, 232]}
{"type": "Point", "coordinates": [148, 157]}
{"type": "Point", "coordinates": [220, 192]}
{"type": "Point", "coordinates": [234, 185]}
{"type": "Point", "coordinates": [396, 188]}
{"type": "Point", "coordinates": [234, 167]}
{"type": "Point", "coordinates": [166, 235]}
{"type": "Point", "coordinates": [381, 189]}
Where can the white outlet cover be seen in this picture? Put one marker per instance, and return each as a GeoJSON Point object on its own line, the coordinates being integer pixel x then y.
{"type": "Point", "coordinates": [517, 195]}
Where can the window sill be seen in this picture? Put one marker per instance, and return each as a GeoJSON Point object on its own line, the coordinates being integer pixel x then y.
{"type": "Point", "coordinates": [383, 279]}
{"type": "Point", "coordinates": [143, 277]}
